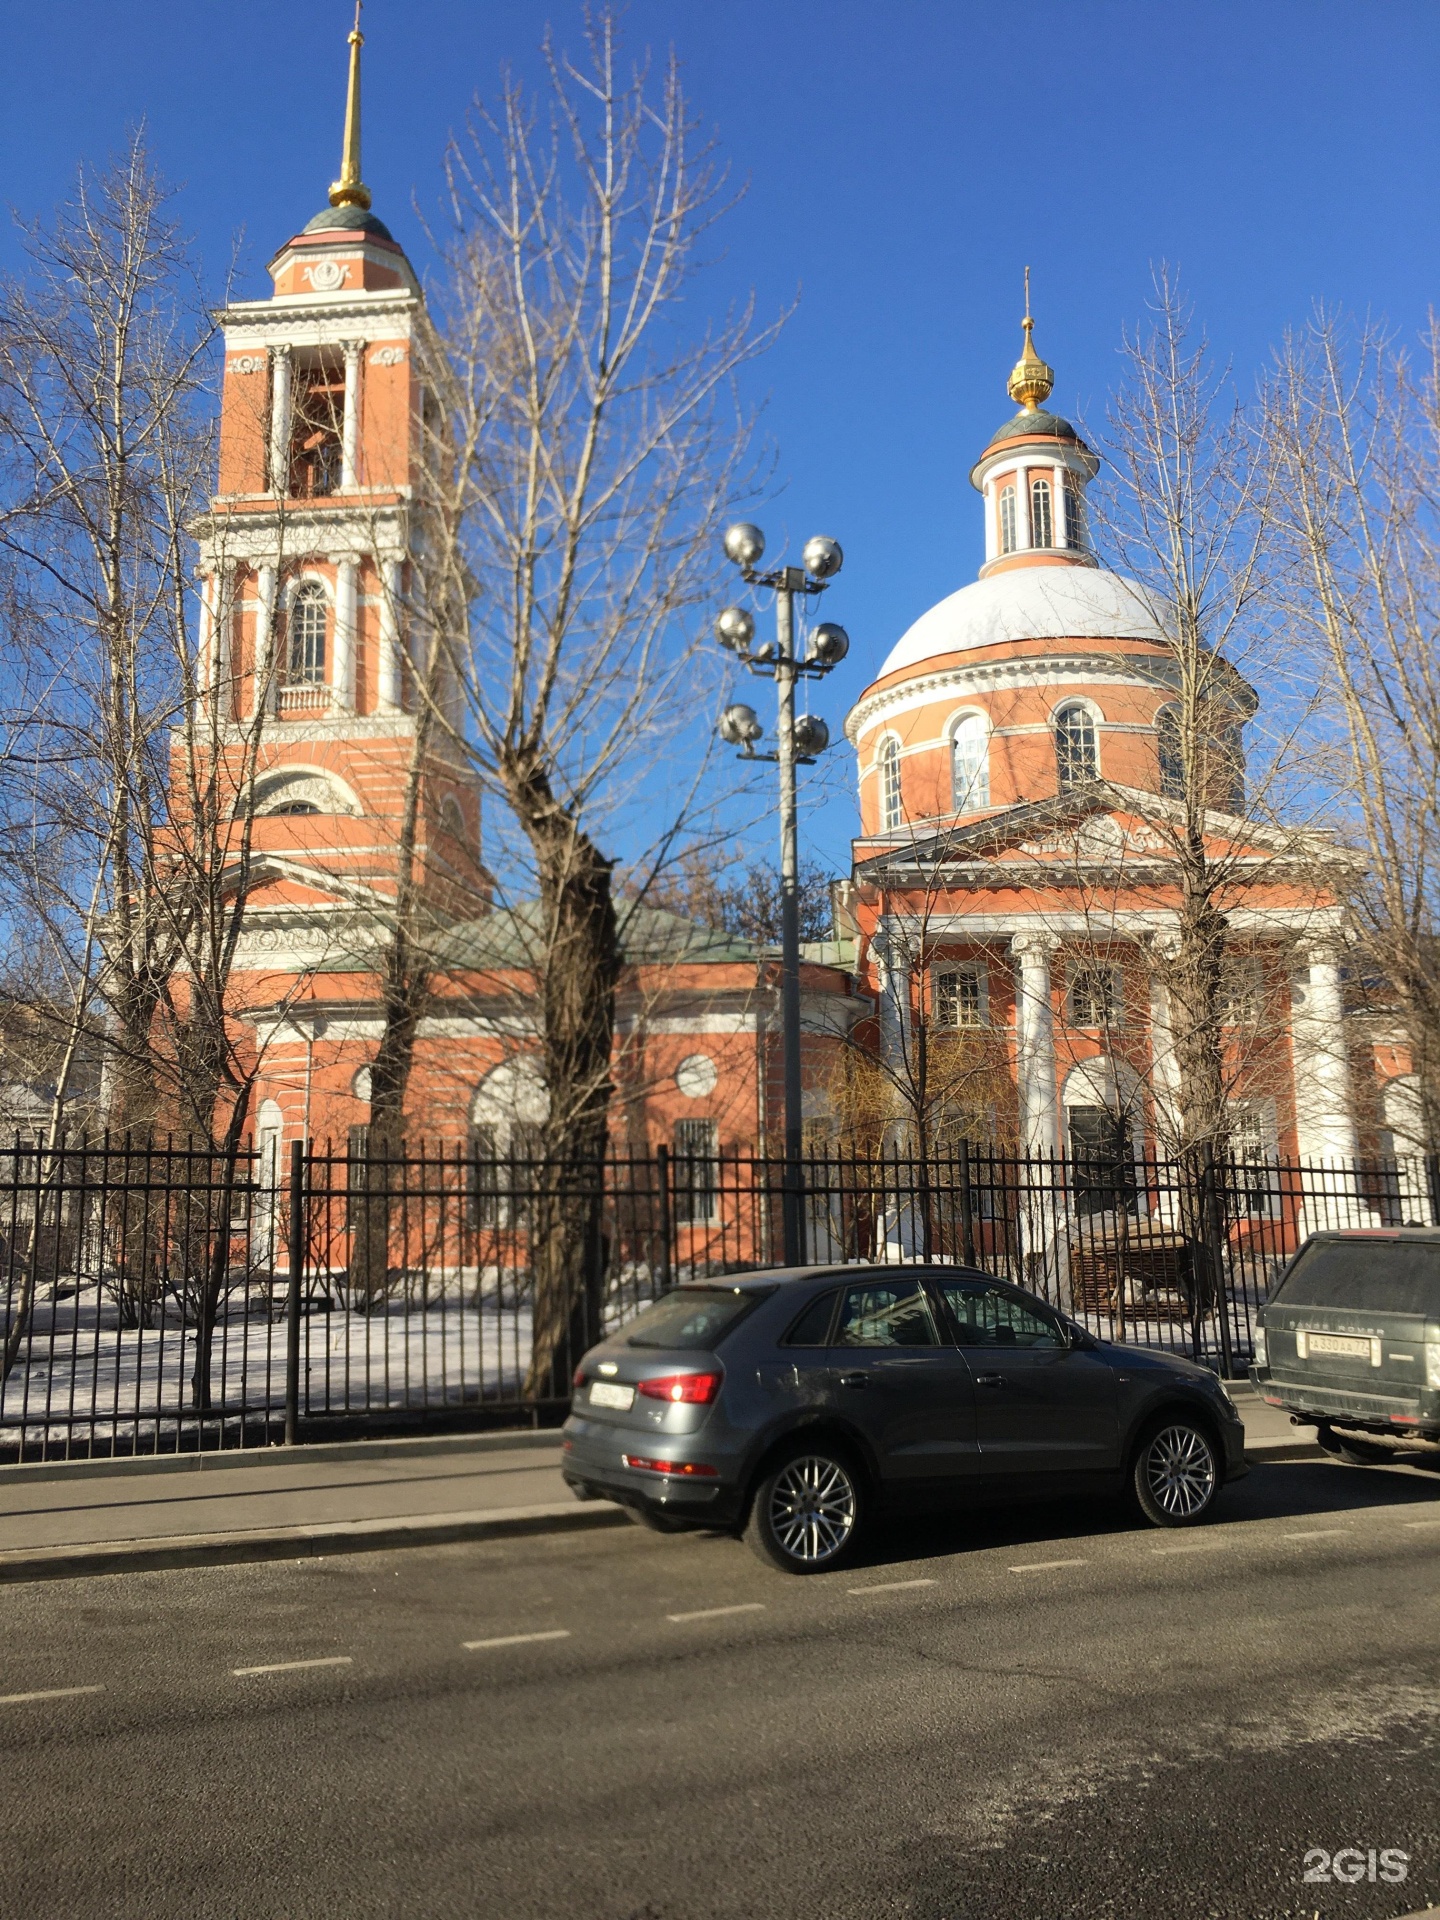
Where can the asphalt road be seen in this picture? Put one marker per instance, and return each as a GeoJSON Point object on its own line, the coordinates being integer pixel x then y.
{"type": "Point", "coordinates": [1047, 1713]}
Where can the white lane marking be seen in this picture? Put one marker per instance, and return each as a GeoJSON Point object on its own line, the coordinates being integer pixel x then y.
{"type": "Point", "coordinates": [1195, 1546]}
{"type": "Point", "coordinates": [1045, 1566]}
{"type": "Point", "coordinates": [1320, 1533]}
{"type": "Point", "coordinates": [1420, 1523]}
{"type": "Point", "coordinates": [515, 1639]}
{"type": "Point", "coordinates": [46, 1693]}
{"type": "Point", "coordinates": [892, 1586]}
{"type": "Point", "coordinates": [715, 1613]}
{"type": "Point", "coordinates": [294, 1666]}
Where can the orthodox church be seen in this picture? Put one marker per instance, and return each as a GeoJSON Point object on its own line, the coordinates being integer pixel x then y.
{"type": "Point", "coordinates": [1015, 755]}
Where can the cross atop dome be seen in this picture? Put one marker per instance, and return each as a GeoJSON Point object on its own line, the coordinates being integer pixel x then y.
{"type": "Point", "coordinates": [1031, 381]}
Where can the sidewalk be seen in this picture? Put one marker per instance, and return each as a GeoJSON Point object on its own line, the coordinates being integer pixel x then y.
{"type": "Point", "coordinates": [109, 1516]}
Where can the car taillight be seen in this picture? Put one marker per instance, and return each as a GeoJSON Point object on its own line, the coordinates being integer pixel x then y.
{"type": "Point", "coordinates": [1432, 1363]}
{"type": "Point", "coordinates": [689, 1389]}
{"type": "Point", "coordinates": [685, 1469]}
{"type": "Point", "coordinates": [577, 1379]}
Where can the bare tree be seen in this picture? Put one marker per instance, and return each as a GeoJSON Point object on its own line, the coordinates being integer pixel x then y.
{"type": "Point", "coordinates": [1355, 430]}
{"type": "Point", "coordinates": [135, 801]}
{"type": "Point", "coordinates": [602, 444]}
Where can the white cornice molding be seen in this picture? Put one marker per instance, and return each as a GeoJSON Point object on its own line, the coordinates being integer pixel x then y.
{"type": "Point", "coordinates": [1008, 675]}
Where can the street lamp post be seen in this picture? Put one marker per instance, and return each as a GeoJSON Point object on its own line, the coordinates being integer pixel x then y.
{"type": "Point", "coordinates": [797, 741]}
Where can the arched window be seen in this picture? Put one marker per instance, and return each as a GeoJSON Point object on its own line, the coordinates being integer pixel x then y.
{"type": "Point", "coordinates": [1076, 755]}
{"type": "Point", "coordinates": [1042, 520]}
{"type": "Point", "coordinates": [970, 764]}
{"type": "Point", "coordinates": [1007, 519]}
{"type": "Point", "coordinates": [888, 762]}
{"type": "Point", "coordinates": [308, 613]}
{"type": "Point", "coordinates": [1074, 517]}
{"type": "Point", "coordinates": [1172, 753]}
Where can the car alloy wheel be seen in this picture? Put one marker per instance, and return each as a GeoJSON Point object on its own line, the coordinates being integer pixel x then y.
{"type": "Point", "coordinates": [805, 1513]}
{"type": "Point", "coordinates": [1178, 1473]}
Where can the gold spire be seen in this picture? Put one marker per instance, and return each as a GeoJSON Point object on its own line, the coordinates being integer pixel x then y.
{"type": "Point", "coordinates": [1030, 379]}
{"type": "Point", "coordinates": [349, 190]}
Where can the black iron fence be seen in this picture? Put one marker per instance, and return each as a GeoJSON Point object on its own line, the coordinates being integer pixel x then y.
{"type": "Point", "coordinates": [169, 1297]}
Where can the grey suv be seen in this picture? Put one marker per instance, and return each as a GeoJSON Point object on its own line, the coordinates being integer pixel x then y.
{"type": "Point", "coordinates": [793, 1404]}
{"type": "Point", "coordinates": [1350, 1340]}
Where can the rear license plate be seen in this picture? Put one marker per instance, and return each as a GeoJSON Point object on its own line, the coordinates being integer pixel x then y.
{"type": "Point", "coordinates": [1339, 1343]}
{"type": "Point", "coordinates": [603, 1393]}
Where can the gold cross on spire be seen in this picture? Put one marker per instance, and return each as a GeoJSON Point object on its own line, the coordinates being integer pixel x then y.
{"type": "Point", "coordinates": [349, 190]}
{"type": "Point", "coordinates": [1031, 381]}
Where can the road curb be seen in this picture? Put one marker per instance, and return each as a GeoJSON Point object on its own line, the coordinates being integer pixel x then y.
{"type": "Point", "coordinates": [302, 1542]}
{"type": "Point", "coordinates": [1258, 1454]}
{"type": "Point", "coordinates": [309, 1453]}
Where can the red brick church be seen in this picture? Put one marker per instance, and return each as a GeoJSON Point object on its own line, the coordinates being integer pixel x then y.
{"type": "Point", "coordinates": [1012, 748]}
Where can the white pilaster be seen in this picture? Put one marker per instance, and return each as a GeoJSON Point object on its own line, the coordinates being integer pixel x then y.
{"type": "Point", "coordinates": [264, 636]}
{"type": "Point", "coordinates": [205, 639]}
{"type": "Point", "coordinates": [1023, 537]}
{"type": "Point", "coordinates": [390, 682]}
{"type": "Point", "coordinates": [343, 677]}
{"type": "Point", "coordinates": [350, 429]}
{"type": "Point", "coordinates": [992, 530]}
{"type": "Point", "coordinates": [1059, 508]}
{"type": "Point", "coordinates": [280, 395]}
{"type": "Point", "coordinates": [1035, 1043]}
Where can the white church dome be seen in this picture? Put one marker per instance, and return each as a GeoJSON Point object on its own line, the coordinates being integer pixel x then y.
{"type": "Point", "coordinates": [1031, 603]}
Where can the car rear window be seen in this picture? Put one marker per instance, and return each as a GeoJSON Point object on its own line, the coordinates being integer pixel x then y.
{"type": "Point", "coordinates": [813, 1325]}
{"type": "Point", "coordinates": [1368, 1276]}
{"type": "Point", "coordinates": [691, 1317]}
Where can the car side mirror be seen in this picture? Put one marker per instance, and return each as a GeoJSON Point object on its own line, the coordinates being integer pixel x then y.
{"type": "Point", "coordinates": [1080, 1340]}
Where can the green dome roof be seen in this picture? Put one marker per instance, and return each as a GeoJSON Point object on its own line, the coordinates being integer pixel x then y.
{"type": "Point", "coordinates": [1033, 424]}
{"type": "Point", "coordinates": [349, 220]}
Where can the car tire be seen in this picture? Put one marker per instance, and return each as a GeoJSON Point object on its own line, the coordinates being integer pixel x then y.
{"type": "Point", "coordinates": [807, 1508]}
{"type": "Point", "coordinates": [1176, 1474]}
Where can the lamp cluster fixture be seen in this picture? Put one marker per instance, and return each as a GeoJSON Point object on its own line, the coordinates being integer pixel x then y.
{"type": "Point", "coordinates": [828, 645]}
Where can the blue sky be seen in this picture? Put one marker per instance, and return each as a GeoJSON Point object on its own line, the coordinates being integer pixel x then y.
{"type": "Point", "coordinates": [904, 160]}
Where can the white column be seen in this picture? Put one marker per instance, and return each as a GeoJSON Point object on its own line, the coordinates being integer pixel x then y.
{"type": "Point", "coordinates": [224, 604]}
{"type": "Point", "coordinates": [992, 530]}
{"type": "Point", "coordinates": [1035, 1043]}
{"type": "Point", "coordinates": [280, 384]}
{"type": "Point", "coordinates": [1059, 508]}
{"type": "Point", "coordinates": [1324, 1111]}
{"type": "Point", "coordinates": [350, 431]}
{"type": "Point", "coordinates": [264, 635]}
{"type": "Point", "coordinates": [1023, 536]}
{"type": "Point", "coordinates": [205, 639]}
{"type": "Point", "coordinates": [342, 678]}
{"type": "Point", "coordinates": [390, 682]}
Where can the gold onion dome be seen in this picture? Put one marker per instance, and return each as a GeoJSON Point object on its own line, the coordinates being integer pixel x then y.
{"type": "Point", "coordinates": [349, 190]}
{"type": "Point", "coordinates": [1031, 381]}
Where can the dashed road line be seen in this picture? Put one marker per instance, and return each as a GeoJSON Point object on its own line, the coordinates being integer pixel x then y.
{"type": "Point", "coordinates": [716, 1613]}
{"type": "Point", "coordinates": [293, 1666]}
{"type": "Point", "coordinates": [515, 1639]}
{"type": "Point", "coordinates": [1195, 1546]}
{"type": "Point", "coordinates": [1319, 1533]}
{"type": "Point", "coordinates": [46, 1693]}
{"type": "Point", "coordinates": [1412, 1525]}
{"type": "Point", "coordinates": [1047, 1566]}
{"type": "Point", "coordinates": [892, 1586]}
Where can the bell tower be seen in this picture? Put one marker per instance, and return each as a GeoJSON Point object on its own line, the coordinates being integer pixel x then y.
{"type": "Point", "coordinates": [310, 630]}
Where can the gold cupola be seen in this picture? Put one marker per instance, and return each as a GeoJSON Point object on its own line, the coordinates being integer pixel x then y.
{"type": "Point", "coordinates": [349, 190]}
{"type": "Point", "coordinates": [1031, 381]}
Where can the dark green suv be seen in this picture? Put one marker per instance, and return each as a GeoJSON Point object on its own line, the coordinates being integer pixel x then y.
{"type": "Point", "coordinates": [1350, 1341]}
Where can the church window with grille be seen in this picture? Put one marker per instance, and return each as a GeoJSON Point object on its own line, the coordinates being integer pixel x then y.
{"type": "Point", "coordinates": [970, 764]}
{"type": "Point", "coordinates": [1094, 996]}
{"type": "Point", "coordinates": [1007, 520]}
{"type": "Point", "coordinates": [1074, 518]}
{"type": "Point", "coordinates": [308, 618]}
{"type": "Point", "coordinates": [1077, 756]}
{"type": "Point", "coordinates": [1172, 753]}
{"type": "Point", "coordinates": [697, 1172]}
{"type": "Point", "coordinates": [888, 761]}
{"type": "Point", "coordinates": [1042, 519]}
{"type": "Point", "coordinates": [959, 996]}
